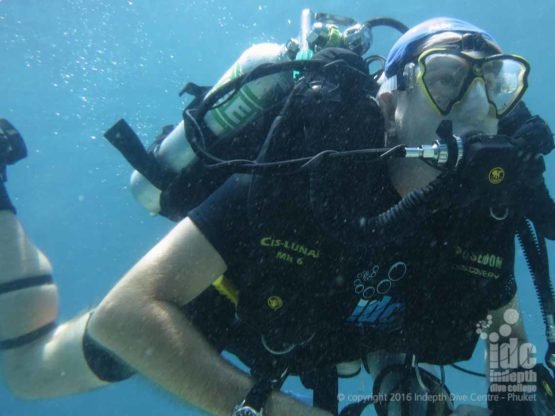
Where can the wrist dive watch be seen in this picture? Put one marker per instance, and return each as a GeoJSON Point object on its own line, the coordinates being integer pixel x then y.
{"type": "Point", "coordinates": [244, 409]}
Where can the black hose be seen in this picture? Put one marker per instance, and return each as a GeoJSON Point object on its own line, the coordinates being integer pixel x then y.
{"type": "Point", "coordinates": [356, 409]}
{"type": "Point", "coordinates": [466, 371]}
{"type": "Point", "coordinates": [392, 224]}
{"type": "Point", "coordinates": [541, 211]}
{"type": "Point", "coordinates": [386, 21]}
{"type": "Point", "coordinates": [535, 254]}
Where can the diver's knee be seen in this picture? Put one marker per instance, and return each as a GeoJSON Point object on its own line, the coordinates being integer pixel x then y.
{"type": "Point", "coordinates": [65, 361]}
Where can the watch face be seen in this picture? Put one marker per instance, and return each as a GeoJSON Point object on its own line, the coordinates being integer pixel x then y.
{"type": "Point", "coordinates": [246, 411]}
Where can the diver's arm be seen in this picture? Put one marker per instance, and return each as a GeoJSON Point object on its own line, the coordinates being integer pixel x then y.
{"type": "Point", "coordinates": [140, 320]}
{"type": "Point", "coordinates": [39, 359]}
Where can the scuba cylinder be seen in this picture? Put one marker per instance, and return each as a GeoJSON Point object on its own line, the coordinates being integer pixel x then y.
{"type": "Point", "coordinates": [225, 119]}
{"type": "Point", "coordinates": [172, 168]}
{"type": "Point", "coordinates": [253, 98]}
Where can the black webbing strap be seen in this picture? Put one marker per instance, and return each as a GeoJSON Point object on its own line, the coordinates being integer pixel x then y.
{"type": "Point", "coordinates": [32, 336]}
{"type": "Point", "coordinates": [102, 362]}
{"type": "Point", "coordinates": [25, 283]}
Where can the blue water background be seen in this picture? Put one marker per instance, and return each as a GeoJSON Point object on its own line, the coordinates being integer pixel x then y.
{"type": "Point", "coordinates": [71, 68]}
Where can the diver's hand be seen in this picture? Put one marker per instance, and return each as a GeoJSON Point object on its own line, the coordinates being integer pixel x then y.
{"type": "Point", "coordinates": [280, 404]}
{"type": "Point", "coordinates": [488, 172]}
{"type": "Point", "coordinates": [466, 410]}
{"type": "Point", "coordinates": [12, 147]}
{"type": "Point", "coordinates": [534, 136]}
{"type": "Point", "coordinates": [533, 139]}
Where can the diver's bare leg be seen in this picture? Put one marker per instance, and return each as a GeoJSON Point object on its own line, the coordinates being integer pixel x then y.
{"type": "Point", "coordinates": [38, 358]}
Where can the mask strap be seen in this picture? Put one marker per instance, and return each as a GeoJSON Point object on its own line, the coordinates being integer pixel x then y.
{"type": "Point", "coordinates": [477, 42]}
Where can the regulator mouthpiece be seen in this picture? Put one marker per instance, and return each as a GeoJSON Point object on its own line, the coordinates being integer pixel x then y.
{"type": "Point", "coordinates": [444, 153]}
{"type": "Point", "coordinates": [436, 152]}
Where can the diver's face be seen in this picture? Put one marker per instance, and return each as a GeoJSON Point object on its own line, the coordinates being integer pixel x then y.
{"type": "Point", "coordinates": [416, 119]}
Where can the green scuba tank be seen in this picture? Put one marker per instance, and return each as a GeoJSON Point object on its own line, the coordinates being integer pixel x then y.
{"type": "Point", "coordinates": [174, 152]}
{"type": "Point", "coordinates": [254, 97]}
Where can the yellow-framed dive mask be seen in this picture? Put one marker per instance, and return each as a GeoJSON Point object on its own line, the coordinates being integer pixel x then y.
{"type": "Point", "coordinates": [446, 75]}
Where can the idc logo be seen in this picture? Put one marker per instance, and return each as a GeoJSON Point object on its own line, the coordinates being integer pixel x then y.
{"type": "Point", "coordinates": [376, 308]}
{"type": "Point", "coordinates": [384, 313]}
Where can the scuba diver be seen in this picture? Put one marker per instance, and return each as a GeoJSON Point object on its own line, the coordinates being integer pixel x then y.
{"type": "Point", "coordinates": [332, 237]}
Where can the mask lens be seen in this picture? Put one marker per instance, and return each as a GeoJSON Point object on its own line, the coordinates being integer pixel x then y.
{"type": "Point", "coordinates": [505, 80]}
{"type": "Point", "coordinates": [443, 78]}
